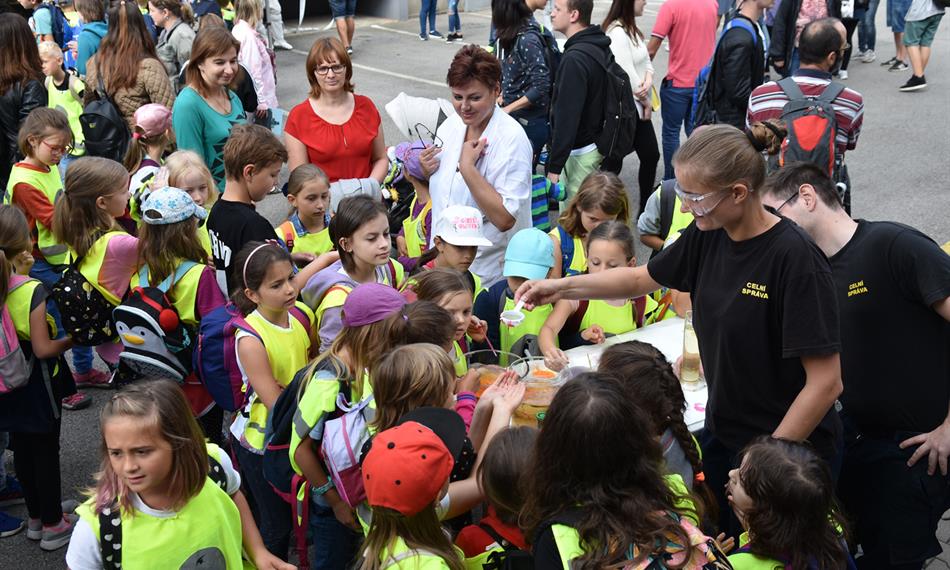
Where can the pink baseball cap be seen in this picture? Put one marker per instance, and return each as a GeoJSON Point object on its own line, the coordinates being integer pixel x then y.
{"type": "Point", "coordinates": [461, 225]}
{"type": "Point", "coordinates": [153, 119]}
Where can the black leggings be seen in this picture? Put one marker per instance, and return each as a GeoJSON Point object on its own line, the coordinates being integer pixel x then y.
{"type": "Point", "coordinates": [648, 152]}
{"type": "Point", "coordinates": [850, 24]}
{"type": "Point", "coordinates": [36, 460]}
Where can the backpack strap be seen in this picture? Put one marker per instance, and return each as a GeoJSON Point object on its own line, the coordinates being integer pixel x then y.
{"type": "Point", "coordinates": [639, 308]}
{"type": "Point", "coordinates": [71, 79]}
{"type": "Point", "coordinates": [667, 205]}
{"type": "Point", "coordinates": [831, 92]}
{"type": "Point", "coordinates": [590, 51]}
{"type": "Point", "coordinates": [791, 89]}
{"type": "Point", "coordinates": [741, 23]}
{"type": "Point", "coordinates": [168, 282]}
{"type": "Point", "coordinates": [216, 473]}
{"type": "Point", "coordinates": [567, 249]}
{"type": "Point", "coordinates": [297, 313]}
{"type": "Point", "coordinates": [573, 323]}
{"type": "Point", "coordinates": [16, 281]}
{"type": "Point", "coordinates": [502, 541]}
{"type": "Point", "coordinates": [392, 273]}
{"type": "Point", "coordinates": [110, 537]}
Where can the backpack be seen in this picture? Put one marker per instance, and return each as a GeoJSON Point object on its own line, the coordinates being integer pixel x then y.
{"type": "Point", "coordinates": [155, 341]}
{"type": "Point", "coordinates": [812, 127]}
{"type": "Point", "coordinates": [14, 368]}
{"type": "Point", "coordinates": [214, 359]}
{"type": "Point", "coordinates": [103, 126]}
{"type": "Point", "coordinates": [86, 313]}
{"type": "Point", "coordinates": [552, 53]}
{"type": "Point", "coordinates": [110, 543]}
{"type": "Point", "coordinates": [509, 557]}
{"type": "Point", "coordinates": [567, 251]}
{"type": "Point", "coordinates": [343, 437]}
{"type": "Point", "coordinates": [704, 109]}
{"type": "Point", "coordinates": [619, 125]}
{"type": "Point", "coordinates": [62, 30]}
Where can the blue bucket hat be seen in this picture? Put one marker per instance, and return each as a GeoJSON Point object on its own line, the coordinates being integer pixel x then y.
{"type": "Point", "coordinates": [170, 205]}
{"type": "Point", "coordinates": [530, 255]}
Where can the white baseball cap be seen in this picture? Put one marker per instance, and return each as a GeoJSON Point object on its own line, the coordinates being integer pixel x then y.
{"type": "Point", "coordinates": [461, 225]}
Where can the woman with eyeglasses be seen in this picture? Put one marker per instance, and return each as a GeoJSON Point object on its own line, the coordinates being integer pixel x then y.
{"type": "Point", "coordinates": [763, 302]}
{"type": "Point", "coordinates": [334, 128]}
{"type": "Point", "coordinates": [484, 160]}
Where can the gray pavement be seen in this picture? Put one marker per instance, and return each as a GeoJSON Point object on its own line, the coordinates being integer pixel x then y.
{"type": "Point", "coordinates": [897, 170]}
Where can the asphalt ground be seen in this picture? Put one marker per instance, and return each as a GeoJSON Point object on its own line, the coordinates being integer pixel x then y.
{"type": "Point", "coordinates": [900, 171]}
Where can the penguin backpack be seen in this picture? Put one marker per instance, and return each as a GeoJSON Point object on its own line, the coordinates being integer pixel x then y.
{"type": "Point", "coordinates": [156, 344]}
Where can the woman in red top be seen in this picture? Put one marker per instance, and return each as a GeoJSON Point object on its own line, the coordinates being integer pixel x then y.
{"type": "Point", "coordinates": [334, 128]}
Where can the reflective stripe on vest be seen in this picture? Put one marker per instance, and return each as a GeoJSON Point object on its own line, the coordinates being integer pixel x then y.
{"type": "Point", "coordinates": [414, 558]}
{"type": "Point", "coordinates": [414, 230]}
{"type": "Point", "coordinates": [51, 186]}
{"type": "Point", "coordinates": [184, 540]}
{"type": "Point", "coordinates": [183, 294]}
{"type": "Point", "coordinates": [91, 264]}
{"type": "Point", "coordinates": [515, 337]}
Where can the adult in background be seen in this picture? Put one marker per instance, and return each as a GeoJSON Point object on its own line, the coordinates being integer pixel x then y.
{"type": "Point", "coordinates": [790, 21]}
{"type": "Point", "coordinates": [630, 51]}
{"type": "Point", "coordinates": [577, 109]}
{"type": "Point", "coordinates": [763, 303]}
{"type": "Point", "coordinates": [344, 15]}
{"type": "Point", "coordinates": [894, 478]}
{"type": "Point", "coordinates": [690, 26]}
{"type": "Point", "coordinates": [93, 14]}
{"type": "Point", "coordinates": [867, 29]}
{"type": "Point", "coordinates": [334, 128]}
{"type": "Point", "coordinates": [21, 87]}
{"type": "Point", "coordinates": [128, 65]}
{"type": "Point", "coordinates": [526, 72]}
{"type": "Point", "coordinates": [174, 18]}
{"type": "Point", "coordinates": [923, 19]}
{"type": "Point", "coordinates": [275, 25]}
{"type": "Point", "coordinates": [484, 160]}
{"type": "Point", "coordinates": [206, 108]}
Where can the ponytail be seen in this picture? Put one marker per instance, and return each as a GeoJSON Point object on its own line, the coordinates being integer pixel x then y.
{"type": "Point", "coordinates": [767, 136]}
{"type": "Point", "coordinates": [138, 148]}
{"type": "Point", "coordinates": [77, 220]}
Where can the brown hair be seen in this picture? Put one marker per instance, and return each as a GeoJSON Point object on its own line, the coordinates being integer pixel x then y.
{"type": "Point", "coordinates": [351, 214]}
{"type": "Point", "coordinates": [719, 156]}
{"type": "Point", "coordinates": [21, 59]}
{"type": "Point", "coordinates": [302, 175]}
{"type": "Point", "coordinates": [91, 10]}
{"type": "Point", "coordinates": [434, 284]}
{"type": "Point", "coordinates": [473, 63]}
{"type": "Point", "coordinates": [163, 246]}
{"type": "Point", "coordinates": [767, 135]}
{"type": "Point", "coordinates": [181, 10]}
{"type": "Point", "coordinates": [501, 474]}
{"type": "Point", "coordinates": [410, 377]}
{"type": "Point", "coordinates": [210, 41]}
{"type": "Point", "coordinates": [250, 269]}
{"type": "Point", "coordinates": [124, 47]}
{"type": "Point", "coordinates": [41, 123]}
{"type": "Point", "coordinates": [622, 13]}
{"type": "Point", "coordinates": [617, 232]}
{"type": "Point", "coordinates": [420, 531]}
{"type": "Point", "coordinates": [211, 21]}
{"type": "Point", "coordinates": [327, 49]}
{"type": "Point", "coordinates": [14, 240]}
{"type": "Point", "coordinates": [251, 144]}
{"type": "Point", "coordinates": [77, 220]}
{"type": "Point", "coordinates": [429, 323]}
{"type": "Point", "coordinates": [138, 148]}
{"type": "Point", "coordinates": [600, 190]}
{"type": "Point", "coordinates": [182, 162]}
{"type": "Point", "coordinates": [161, 404]}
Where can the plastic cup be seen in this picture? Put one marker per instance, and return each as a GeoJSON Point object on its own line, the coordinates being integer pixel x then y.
{"type": "Point", "coordinates": [486, 363]}
{"type": "Point", "coordinates": [541, 384]}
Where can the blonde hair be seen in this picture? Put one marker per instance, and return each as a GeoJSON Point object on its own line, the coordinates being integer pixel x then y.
{"type": "Point", "coordinates": [303, 175]}
{"type": "Point", "coordinates": [719, 156]}
{"type": "Point", "coordinates": [408, 378]}
{"type": "Point", "coordinates": [181, 163]}
{"type": "Point", "coordinates": [161, 404]}
{"type": "Point", "coordinates": [50, 49]}
{"type": "Point", "coordinates": [420, 531]}
{"type": "Point", "coordinates": [251, 11]}
{"type": "Point", "coordinates": [77, 220]}
{"type": "Point", "coordinates": [599, 190]}
{"type": "Point", "coordinates": [14, 240]}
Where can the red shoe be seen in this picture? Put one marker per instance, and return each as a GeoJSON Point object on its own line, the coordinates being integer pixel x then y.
{"type": "Point", "coordinates": [93, 379]}
{"type": "Point", "coordinates": [77, 401]}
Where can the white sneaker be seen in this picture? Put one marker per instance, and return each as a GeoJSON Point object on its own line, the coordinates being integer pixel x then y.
{"type": "Point", "coordinates": [283, 44]}
{"type": "Point", "coordinates": [843, 74]}
{"type": "Point", "coordinates": [868, 56]}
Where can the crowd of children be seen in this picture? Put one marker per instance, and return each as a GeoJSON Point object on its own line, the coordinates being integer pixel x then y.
{"type": "Point", "coordinates": [355, 431]}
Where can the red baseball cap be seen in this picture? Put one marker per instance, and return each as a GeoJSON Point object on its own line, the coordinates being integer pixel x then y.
{"type": "Point", "coordinates": [406, 468]}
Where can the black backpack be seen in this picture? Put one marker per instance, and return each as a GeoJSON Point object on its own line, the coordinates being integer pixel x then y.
{"type": "Point", "coordinates": [103, 126]}
{"type": "Point", "coordinates": [510, 557]}
{"type": "Point", "coordinates": [86, 313]}
{"type": "Point", "coordinates": [619, 125]}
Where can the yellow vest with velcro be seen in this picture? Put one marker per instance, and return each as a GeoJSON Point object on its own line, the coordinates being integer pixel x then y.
{"type": "Point", "coordinates": [19, 303]}
{"type": "Point", "coordinates": [183, 294]}
{"type": "Point", "coordinates": [91, 264]}
{"type": "Point", "coordinates": [414, 230]}
{"type": "Point", "coordinates": [70, 104]}
{"type": "Point", "coordinates": [51, 186]}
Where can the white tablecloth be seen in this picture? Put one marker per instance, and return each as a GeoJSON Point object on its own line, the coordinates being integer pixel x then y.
{"type": "Point", "coordinates": [667, 337]}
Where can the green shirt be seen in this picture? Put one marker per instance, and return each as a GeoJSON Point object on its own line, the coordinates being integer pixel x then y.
{"type": "Point", "coordinates": [200, 128]}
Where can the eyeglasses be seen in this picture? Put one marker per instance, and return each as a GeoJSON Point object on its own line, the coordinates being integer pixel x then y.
{"type": "Point", "coordinates": [786, 202]}
{"type": "Point", "coordinates": [336, 69]}
{"type": "Point", "coordinates": [67, 149]}
{"type": "Point", "coordinates": [696, 202]}
{"type": "Point", "coordinates": [423, 134]}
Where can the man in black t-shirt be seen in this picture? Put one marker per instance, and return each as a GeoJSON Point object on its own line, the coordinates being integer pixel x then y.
{"type": "Point", "coordinates": [893, 288]}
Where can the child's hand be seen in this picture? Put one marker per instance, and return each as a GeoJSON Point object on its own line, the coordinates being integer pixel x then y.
{"type": "Point", "coordinates": [401, 246]}
{"type": "Point", "coordinates": [556, 360]}
{"type": "Point", "coordinates": [594, 334]}
{"type": "Point", "coordinates": [345, 515]}
{"type": "Point", "coordinates": [264, 560]}
{"type": "Point", "coordinates": [726, 543]}
{"type": "Point", "coordinates": [511, 398]}
{"type": "Point", "coordinates": [498, 387]}
{"type": "Point", "coordinates": [469, 382]}
{"type": "Point", "coordinates": [22, 263]}
{"type": "Point", "coordinates": [160, 180]}
{"type": "Point", "coordinates": [477, 329]}
{"type": "Point", "coordinates": [329, 257]}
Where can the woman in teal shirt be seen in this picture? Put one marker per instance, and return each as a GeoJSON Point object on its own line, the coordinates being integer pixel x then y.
{"type": "Point", "coordinates": [206, 110]}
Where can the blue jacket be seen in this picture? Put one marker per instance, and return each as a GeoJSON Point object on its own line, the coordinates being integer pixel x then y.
{"type": "Point", "coordinates": [88, 43]}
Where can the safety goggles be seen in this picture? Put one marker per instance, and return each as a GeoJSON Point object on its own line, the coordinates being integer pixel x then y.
{"type": "Point", "coordinates": [701, 204]}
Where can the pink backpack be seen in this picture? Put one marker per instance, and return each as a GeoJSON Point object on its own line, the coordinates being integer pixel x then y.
{"type": "Point", "coordinates": [14, 368]}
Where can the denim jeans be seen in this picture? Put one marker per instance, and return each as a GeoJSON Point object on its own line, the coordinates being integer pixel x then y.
{"type": "Point", "coordinates": [537, 130]}
{"type": "Point", "coordinates": [49, 276]}
{"type": "Point", "coordinates": [676, 105]}
{"type": "Point", "coordinates": [427, 10]}
{"type": "Point", "coordinates": [867, 33]}
{"type": "Point", "coordinates": [334, 546]}
{"type": "Point", "coordinates": [455, 23]}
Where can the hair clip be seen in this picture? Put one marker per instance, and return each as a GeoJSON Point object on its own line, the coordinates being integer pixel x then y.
{"type": "Point", "coordinates": [700, 477]}
{"type": "Point", "coordinates": [759, 147]}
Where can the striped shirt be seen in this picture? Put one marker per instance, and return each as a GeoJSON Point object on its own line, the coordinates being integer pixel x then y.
{"type": "Point", "coordinates": [767, 101]}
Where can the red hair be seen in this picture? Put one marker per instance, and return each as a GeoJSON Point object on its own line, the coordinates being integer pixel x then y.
{"type": "Point", "coordinates": [474, 63]}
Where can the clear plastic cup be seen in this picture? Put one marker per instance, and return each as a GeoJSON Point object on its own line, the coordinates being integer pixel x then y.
{"type": "Point", "coordinates": [486, 363]}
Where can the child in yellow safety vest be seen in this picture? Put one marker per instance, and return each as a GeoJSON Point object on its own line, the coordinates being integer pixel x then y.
{"type": "Point", "coordinates": [359, 230]}
{"type": "Point", "coordinates": [458, 234]}
{"type": "Point", "coordinates": [159, 486]}
{"type": "Point", "coordinates": [64, 92]}
{"type": "Point", "coordinates": [573, 323]}
{"type": "Point", "coordinates": [268, 359]}
{"type": "Point", "coordinates": [146, 152]}
{"type": "Point", "coordinates": [31, 413]}
{"type": "Point", "coordinates": [783, 495]}
{"type": "Point", "coordinates": [413, 239]}
{"type": "Point", "coordinates": [185, 169]}
{"type": "Point", "coordinates": [307, 229]}
{"type": "Point", "coordinates": [600, 198]}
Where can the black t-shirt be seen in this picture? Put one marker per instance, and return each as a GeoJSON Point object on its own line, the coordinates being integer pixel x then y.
{"type": "Point", "coordinates": [896, 349]}
{"type": "Point", "coordinates": [231, 225]}
{"type": "Point", "coordinates": [759, 306]}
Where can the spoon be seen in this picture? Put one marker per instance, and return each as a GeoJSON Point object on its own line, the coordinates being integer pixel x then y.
{"type": "Point", "coordinates": [513, 317]}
